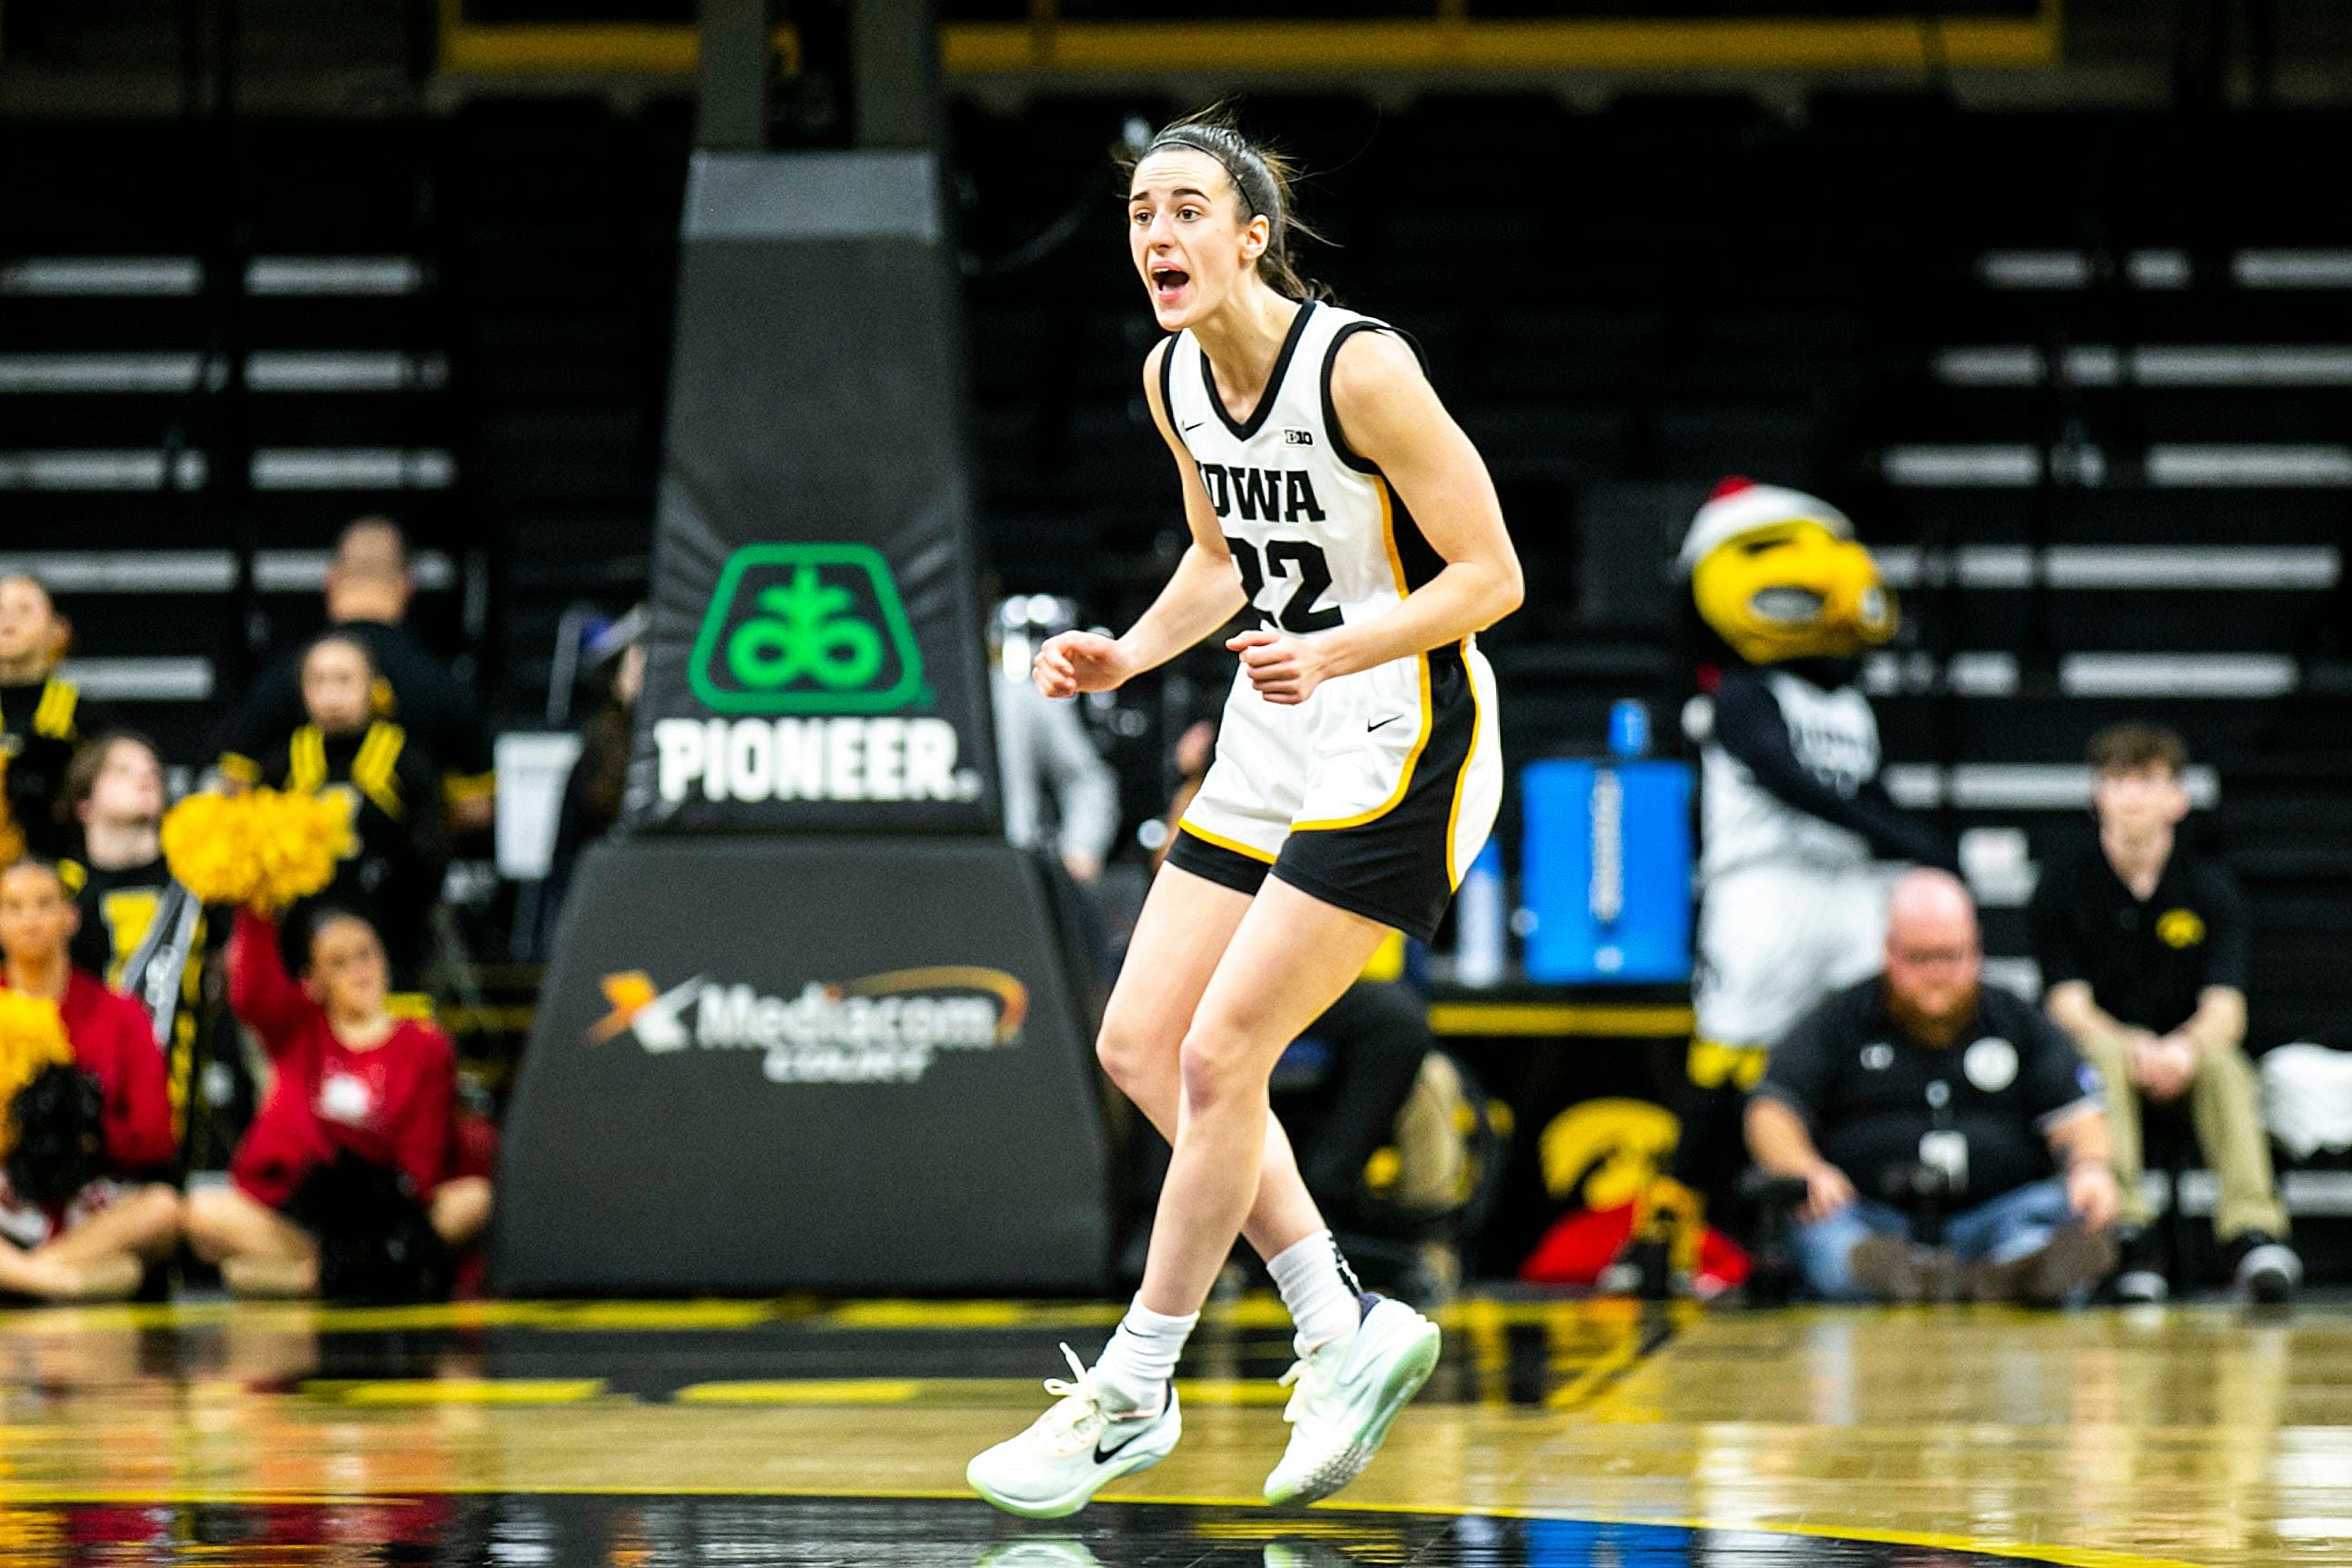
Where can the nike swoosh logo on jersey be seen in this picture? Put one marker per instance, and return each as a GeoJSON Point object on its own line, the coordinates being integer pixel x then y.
{"type": "Point", "coordinates": [1187, 429]}
{"type": "Point", "coordinates": [1390, 719]}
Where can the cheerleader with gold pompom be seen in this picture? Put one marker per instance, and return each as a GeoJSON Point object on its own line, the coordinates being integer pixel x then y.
{"type": "Point", "coordinates": [87, 1117]}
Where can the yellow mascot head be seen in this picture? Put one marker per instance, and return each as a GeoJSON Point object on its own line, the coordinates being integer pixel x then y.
{"type": "Point", "coordinates": [1777, 576]}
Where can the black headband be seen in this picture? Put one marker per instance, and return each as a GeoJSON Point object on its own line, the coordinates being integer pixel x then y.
{"type": "Point", "coordinates": [1267, 199]}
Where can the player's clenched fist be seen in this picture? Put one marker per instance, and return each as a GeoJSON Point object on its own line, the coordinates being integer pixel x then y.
{"type": "Point", "coordinates": [1282, 668]}
{"type": "Point", "coordinates": [1072, 662]}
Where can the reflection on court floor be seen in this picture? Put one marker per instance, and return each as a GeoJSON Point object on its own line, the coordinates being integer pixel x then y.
{"type": "Point", "coordinates": [766, 1532]}
{"type": "Point", "coordinates": [801, 1433]}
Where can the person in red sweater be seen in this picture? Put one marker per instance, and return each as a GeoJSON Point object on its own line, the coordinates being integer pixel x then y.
{"type": "Point", "coordinates": [352, 1078]}
{"type": "Point", "coordinates": [98, 1244]}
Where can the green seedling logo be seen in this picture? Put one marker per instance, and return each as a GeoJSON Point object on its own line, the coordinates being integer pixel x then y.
{"type": "Point", "coordinates": [806, 629]}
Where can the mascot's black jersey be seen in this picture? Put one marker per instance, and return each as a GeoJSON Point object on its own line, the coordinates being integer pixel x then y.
{"type": "Point", "coordinates": [1792, 775]}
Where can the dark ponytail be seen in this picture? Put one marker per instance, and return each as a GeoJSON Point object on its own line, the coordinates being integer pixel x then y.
{"type": "Point", "coordinates": [1262, 179]}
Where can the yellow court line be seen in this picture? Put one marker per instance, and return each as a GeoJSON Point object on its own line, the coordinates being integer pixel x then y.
{"type": "Point", "coordinates": [1232, 1392]}
{"type": "Point", "coordinates": [456, 1390]}
{"type": "Point", "coordinates": [1225, 1392]}
{"type": "Point", "coordinates": [581, 1316]}
{"type": "Point", "coordinates": [652, 1316]}
{"type": "Point", "coordinates": [917, 1314]}
{"type": "Point", "coordinates": [1661, 1021]}
{"type": "Point", "coordinates": [808, 1391]}
{"type": "Point", "coordinates": [1258, 1310]}
{"type": "Point", "coordinates": [12, 1495]}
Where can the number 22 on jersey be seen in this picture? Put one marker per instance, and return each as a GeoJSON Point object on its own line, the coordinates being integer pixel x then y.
{"type": "Point", "coordinates": [1287, 557]}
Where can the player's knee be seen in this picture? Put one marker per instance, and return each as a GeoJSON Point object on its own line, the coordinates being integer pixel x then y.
{"type": "Point", "coordinates": [1217, 1072]}
{"type": "Point", "coordinates": [1129, 1053]}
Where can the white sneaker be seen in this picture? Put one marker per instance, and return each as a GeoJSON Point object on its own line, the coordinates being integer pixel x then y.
{"type": "Point", "coordinates": [1072, 1451]}
{"type": "Point", "coordinates": [1348, 1390]}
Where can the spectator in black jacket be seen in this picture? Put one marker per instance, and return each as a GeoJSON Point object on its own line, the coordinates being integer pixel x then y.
{"type": "Point", "coordinates": [395, 870]}
{"type": "Point", "coordinates": [42, 714]}
{"type": "Point", "coordinates": [2143, 953]}
{"type": "Point", "coordinates": [368, 588]}
{"type": "Point", "coordinates": [593, 790]}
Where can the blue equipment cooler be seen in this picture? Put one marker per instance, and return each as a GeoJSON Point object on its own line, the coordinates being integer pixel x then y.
{"type": "Point", "coordinates": [1605, 871]}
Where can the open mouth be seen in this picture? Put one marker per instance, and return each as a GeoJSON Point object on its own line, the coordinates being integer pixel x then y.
{"type": "Point", "coordinates": [1168, 282]}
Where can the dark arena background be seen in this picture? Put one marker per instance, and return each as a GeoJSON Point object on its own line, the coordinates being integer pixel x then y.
{"type": "Point", "coordinates": [697, 415]}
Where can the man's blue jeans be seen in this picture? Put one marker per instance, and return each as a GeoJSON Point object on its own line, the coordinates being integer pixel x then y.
{"type": "Point", "coordinates": [1999, 1231]}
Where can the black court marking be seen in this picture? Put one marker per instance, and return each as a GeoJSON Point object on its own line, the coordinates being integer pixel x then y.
{"type": "Point", "coordinates": [560, 1531]}
{"type": "Point", "coordinates": [1656, 1328]}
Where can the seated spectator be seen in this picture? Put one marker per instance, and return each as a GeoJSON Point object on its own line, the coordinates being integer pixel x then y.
{"type": "Point", "coordinates": [2143, 953]}
{"type": "Point", "coordinates": [400, 849]}
{"type": "Point", "coordinates": [150, 939]}
{"type": "Point", "coordinates": [1923, 1069]}
{"type": "Point", "coordinates": [593, 790]}
{"type": "Point", "coordinates": [1379, 1035]}
{"type": "Point", "coordinates": [368, 589]}
{"type": "Point", "coordinates": [42, 717]}
{"type": "Point", "coordinates": [93, 1239]}
{"type": "Point", "coordinates": [359, 1093]}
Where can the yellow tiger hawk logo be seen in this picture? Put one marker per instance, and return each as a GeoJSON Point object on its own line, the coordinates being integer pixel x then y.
{"type": "Point", "coordinates": [2180, 928]}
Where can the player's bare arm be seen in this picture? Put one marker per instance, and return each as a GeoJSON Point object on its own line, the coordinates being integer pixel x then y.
{"type": "Point", "coordinates": [1393, 418]}
{"type": "Point", "coordinates": [1202, 594]}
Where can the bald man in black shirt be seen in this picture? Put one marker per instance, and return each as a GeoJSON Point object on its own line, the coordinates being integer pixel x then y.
{"type": "Point", "coordinates": [1922, 1066]}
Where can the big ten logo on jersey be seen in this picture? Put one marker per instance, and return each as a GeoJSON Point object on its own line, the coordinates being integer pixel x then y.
{"type": "Point", "coordinates": [806, 651]}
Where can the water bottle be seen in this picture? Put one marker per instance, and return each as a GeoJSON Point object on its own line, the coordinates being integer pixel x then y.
{"type": "Point", "coordinates": [1628, 727]}
{"type": "Point", "coordinates": [1480, 919]}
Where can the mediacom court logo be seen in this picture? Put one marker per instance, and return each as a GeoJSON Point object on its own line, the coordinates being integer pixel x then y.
{"type": "Point", "coordinates": [808, 650]}
{"type": "Point", "coordinates": [884, 1029]}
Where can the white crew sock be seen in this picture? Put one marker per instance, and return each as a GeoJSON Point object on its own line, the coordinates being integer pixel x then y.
{"type": "Point", "coordinates": [1318, 1287]}
{"type": "Point", "coordinates": [1136, 1364]}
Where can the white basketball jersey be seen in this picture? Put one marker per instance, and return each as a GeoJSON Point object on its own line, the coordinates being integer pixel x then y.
{"type": "Point", "coordinates": [1320, 541]}
{"type": "Point", "coordinates": [1310, 523]}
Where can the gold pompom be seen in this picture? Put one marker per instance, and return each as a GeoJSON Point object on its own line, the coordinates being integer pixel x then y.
{"type": "Point", "coordinates": [199, 845]}
{"type": "Point", "coordinates": [297, 841]}
{"type": "Point", "coordinates": [264, 849]}
{"type": "Point", "coordinates": [32, 1036]}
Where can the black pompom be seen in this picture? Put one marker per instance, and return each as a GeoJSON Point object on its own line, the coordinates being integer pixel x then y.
{"type": "Point", "coordinates": [376, 1242]}
{"type": "Point", "coordinates": [60, 1136]}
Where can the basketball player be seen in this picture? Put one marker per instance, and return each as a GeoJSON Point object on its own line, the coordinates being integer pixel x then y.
{"type": "Point", "coordinates": [1336, 505]}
